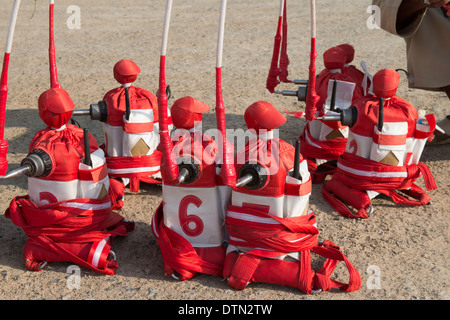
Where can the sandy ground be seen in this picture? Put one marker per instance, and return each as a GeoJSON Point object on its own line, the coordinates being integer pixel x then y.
{"type": "Point", "coordinates": [408, 245]}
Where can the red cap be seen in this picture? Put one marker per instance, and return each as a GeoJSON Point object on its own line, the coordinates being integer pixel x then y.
{"type": "Point", "coordinates": [263, 115]}
{"type": "Point", "coordinates": [55, 107]}
{"type": "Point", "coordinates": [334, 58]}
{"type": "Point", "coordinates": [349, 51]}
{"type": "Point", "coordinates": [385, 83]}
{"type": "Point", "coordinates": [126, 71]}
{"type": "Point", "coordinates": [187, 111]}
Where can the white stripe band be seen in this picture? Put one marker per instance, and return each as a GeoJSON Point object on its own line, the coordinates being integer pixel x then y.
{"type": "Point", "coordinates": [98, 252]}
{"type": "Point", "coordinates": [363, 173]}
{"type": "Point", "coordinates": [251, 218]}
{"type": "Point", "coordinates": [87, 206]}
{"type": "Point", "coordinates": [133, 170]}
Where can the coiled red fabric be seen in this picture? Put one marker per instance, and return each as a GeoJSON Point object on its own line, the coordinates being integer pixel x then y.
{"type": "Point", "coordinates": [63, 232]}
{"type": "Point", "coordinates": [278, 238]}
{"type": "Point", "coordinates": [313, 149]}
{"type": "Point", "coordinates": [348, 185]}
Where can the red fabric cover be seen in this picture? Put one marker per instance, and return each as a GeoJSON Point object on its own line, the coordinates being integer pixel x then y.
{"type": "Point", "coordinates": [334, 58]}
{"type": "Point", "coordinates": [355, 73]}
{"type": "Point", "coordinates": [58, 232]}
{"type": "Point", "coordinates": [322, 88]}
{"type": "Point", "coordinates": [262, 115]}
{"type": "Point", "coordinates": [347, 187]}
{"type": "Point", "coordinates": [186, 112]}
{"type": "Point", "coordinates": [139, 99]}
{"type": "Point", "coordinates": [349, 52]}
{"type": "Point", "coordinates": [55, 107]}
{"type": "Point", "coordinates": [65, 148]}
{"type": "Point", "coordinates": [116, 193]}
{"type": "Point", "coordinates": [395, 109]}
{"type": "Point", "coordinates": [273, 240]}
{"type": "Point", "coordinates": [385, 83]}
{"type": "Point", "coordinates": [276, 155]}
{"type": "Point", "coordinates": [126, 71]}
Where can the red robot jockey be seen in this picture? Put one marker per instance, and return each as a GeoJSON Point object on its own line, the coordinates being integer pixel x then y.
{"type": "Point", "coordinates": [130, 123]}
{"type": "Point", "coordinates": [385, 142]}
{"type": "Point", "coordinates": [338, 86]}
{"type": "Point", "coordinates": [271, 230]}
{"type": "Point", "coordinates": [68, 212]}
{"type": "Point", "coordinates": [189, 223]}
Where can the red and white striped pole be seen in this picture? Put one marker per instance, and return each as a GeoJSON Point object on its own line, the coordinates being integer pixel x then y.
{"type": "Point", "coordinates": [4, 88]}
{"type": "Point", "coordinates": [227, 171]}
{"type": "Point", "coordinates": [51, 48]}
{"type": "Point", "coordinates": [168, 163]}
{"type": "Point", "coordinates": [312, 97]}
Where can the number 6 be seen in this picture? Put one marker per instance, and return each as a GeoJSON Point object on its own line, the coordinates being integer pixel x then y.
{"type": "Point", "coordinates": [186, 220]}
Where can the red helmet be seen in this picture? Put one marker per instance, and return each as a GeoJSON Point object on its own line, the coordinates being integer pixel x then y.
{"type": "Point", "coordinates": [55, 107]}
{"type": "Point", "coordinates": [187, 111]}
{"type": "Point", "coordinates": [334, 58]}
{"type": "Point", "coordinates": [385, 83]}
{"type": "Point", "coordinates": [126, 71]}
{"type": "Point", "coordinates": [349, 51]}
{"type": "Point", "coordinates": [263, 115]}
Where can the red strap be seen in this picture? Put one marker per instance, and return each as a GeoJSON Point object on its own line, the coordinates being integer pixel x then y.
{"type": "Point", "coordinates": [335, 193]}
{"type": "Point", "coordinates": [243, 270]}
{"type": "Point", "coordinates": [333, 254]}
{"type": "Point", "coordinates": [349, 187]}
{"type": "Point", "coordinates": [321, 149]}
{"type": "Point", "coordinates": [131, 127]}
{"type": "Point", "coordinates": [374, 178]}
{"type": "Point", "coordinates": [178, 254]}
{"type": "Point", "coordinates": [52, 224]}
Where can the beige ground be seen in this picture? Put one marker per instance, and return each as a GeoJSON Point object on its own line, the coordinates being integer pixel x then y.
{"type": "Point", "coordinates": [409, 245]}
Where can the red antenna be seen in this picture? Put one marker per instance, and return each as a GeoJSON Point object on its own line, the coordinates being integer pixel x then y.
{"type": "Point", "coordinates": [274, 71]}
{"type": "Point", "coordinates": [165, 146]}
{"type": "Point", "coordinates": [4, 88]}
{"type": "Point", "coordinates": [284, 59]}
{"type": "Point", "coordinates": [312, 97]}
{"type": "Point", "coordinates": [227, 170]}
{"type": "Point", "coordinates": [51, 48]}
